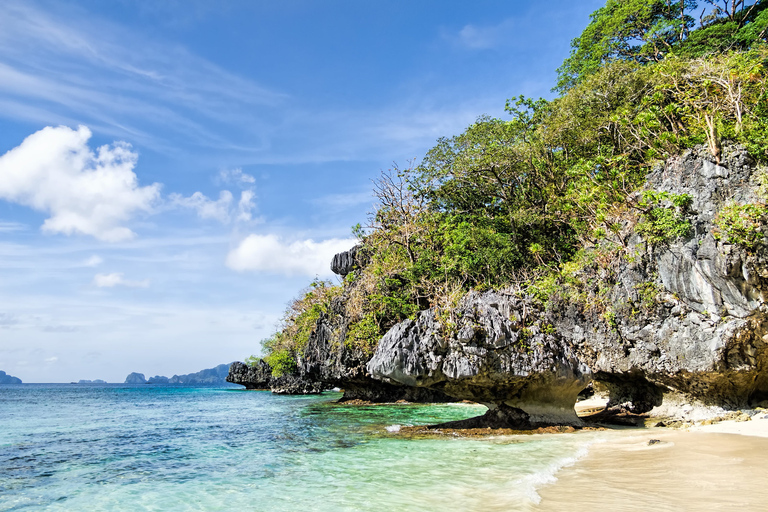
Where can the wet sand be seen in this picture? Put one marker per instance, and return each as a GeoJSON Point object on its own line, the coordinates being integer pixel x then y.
{"type": "Point", "coordinates": [713, 467]}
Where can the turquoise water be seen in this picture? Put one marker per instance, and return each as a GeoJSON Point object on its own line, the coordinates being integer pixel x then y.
{"type": "Point", "coordinates": [115, 447]}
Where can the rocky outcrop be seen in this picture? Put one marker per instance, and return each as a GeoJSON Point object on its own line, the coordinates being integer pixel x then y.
{"type": "Point", "coordinates": [135, 378]}
{"type": "Point", "coordinates": [494, 356]}
{"type": "Point", "coordinates": [259, 376]}
{"type": "Point", "coordinates": [327, 358]}
{"type": "Point", "coordinates": [8, 379]}
{"type": "Point", "coordinates": [345, 262]}
{"type": "Point", "coordinates": [681, 320]}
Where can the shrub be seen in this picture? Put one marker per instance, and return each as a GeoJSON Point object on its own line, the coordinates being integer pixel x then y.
{"type": "Point", "coordinates": [741, 224]}
{"type": "Point", "coordinates": [664, 217]}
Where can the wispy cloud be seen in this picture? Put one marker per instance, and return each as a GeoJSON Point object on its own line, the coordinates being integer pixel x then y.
{"type": "Point", "coordinates": [224, 209]}
{"type": "Point", "coordinates": [93, 261]}
{"type": "Point", "coordinates": [344, 201]}
{"type": "Point", "coordinates": [484, 37]}
{"type": "Point", "coordinates": [131, 81]}
{"type": "Point", "coordinates": [10, 227]}
{"type": "Point", "coordinates": [116, 279]}
{"type": "Point", "coordinates": [234, 177]}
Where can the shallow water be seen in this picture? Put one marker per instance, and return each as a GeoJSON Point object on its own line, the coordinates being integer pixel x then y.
{"type": "Point", "coordinates": [117, 447]}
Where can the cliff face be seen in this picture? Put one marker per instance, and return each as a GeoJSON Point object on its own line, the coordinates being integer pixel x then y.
{"type": "Point", "coordinates": [683, 320]}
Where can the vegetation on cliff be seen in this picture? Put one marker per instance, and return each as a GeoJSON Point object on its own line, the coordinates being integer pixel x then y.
{"type": "Point", "coordinates": [529, 200]}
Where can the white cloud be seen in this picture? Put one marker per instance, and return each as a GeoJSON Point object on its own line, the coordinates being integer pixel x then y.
{"type": "Point", "coordinates": [51, 359]}
{"type": "Point", "coordinates": [93, 261]}
{"type": "Point", "coordinates": [246, 205]}
{"type": "Point", "coordinates": [223, 209]}
{"type": "Point", "coordinates": [207, 208]}
{"type": "Point", "coordinates": [93, 193]}
{"type": "Point", "coordinates": [268, 253]}
{"type": "Point", "coordinates": [116, 279]}
{"type": "Point", "coordinates": [235, 176]}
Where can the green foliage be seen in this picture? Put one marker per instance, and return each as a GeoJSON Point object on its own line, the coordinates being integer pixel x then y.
{"type": "Point", "coordinates": [648, 31]}
{"type": "Point", "coordinates": [637, 30]}
{"type": "Point", "coordinates": [252, 360]}
{"type": "Point", "coordinates": [282, 361]}
{"type": "Point", "coordinates": [285, 347]}
{"type": "Point", "coordinates": [664, 217]}
{"type": "Point", "coordinates": [741, 224]}
{"type": "Point", "coordinates": [540, 198]}
{"type": "Point", "coordinates": [364, 334]}
{"type": "Point", "coordinates": [648, 293]}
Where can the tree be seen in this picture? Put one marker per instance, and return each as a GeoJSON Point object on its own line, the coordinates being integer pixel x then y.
{"type": "Point", "coordinates": [639, 30]}
{"type": "Point", "coordinates": [646, 31]}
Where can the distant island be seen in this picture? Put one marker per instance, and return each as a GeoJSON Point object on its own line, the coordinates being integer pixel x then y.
{"type": "Point", "coordinates": [209, 376]}
{"type": "Point", "coordinates": [95, 381]}
{"type": "Point", "coordinates": [8, 379]}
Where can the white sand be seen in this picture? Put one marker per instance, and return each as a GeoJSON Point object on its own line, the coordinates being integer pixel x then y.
{"type": "Point", "coordinates": [723, 466]}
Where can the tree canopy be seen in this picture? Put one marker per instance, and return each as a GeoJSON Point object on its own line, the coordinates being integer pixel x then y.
{"type": "Point", "coordinates": [649, 30]}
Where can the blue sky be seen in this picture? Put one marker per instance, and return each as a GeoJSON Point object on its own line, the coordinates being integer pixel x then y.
{"type": "Point", "coordinates": [173, 172]}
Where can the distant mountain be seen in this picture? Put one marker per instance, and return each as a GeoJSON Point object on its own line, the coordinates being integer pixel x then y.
{"type": "Point", "coordinates": [7, 379]}
{"type": "Point", "coordinates": [209, 376]}
{"type": "Point", "coordinates": [135, 378]}
{"type": "Point", "coordinates": [95, 381]}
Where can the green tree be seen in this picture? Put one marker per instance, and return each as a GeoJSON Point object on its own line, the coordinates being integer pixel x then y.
{"type": "Point", "coordinates": [639, 30]}
{"type": "Point", "coordinates": [646, 31]}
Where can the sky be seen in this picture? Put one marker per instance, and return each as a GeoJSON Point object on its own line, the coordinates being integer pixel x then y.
{"type": "Point", "coordinates": [174, 172]}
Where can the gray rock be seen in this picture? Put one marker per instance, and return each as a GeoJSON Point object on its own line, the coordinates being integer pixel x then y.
{"type": "Point", "coordinates": [488, 358]}
{"type": "Point", "coordinates": [702, 338]}
{"type": "Point", "coordinates": [259, 376]}
{"type": "Point", "coordinates": [345, 262]}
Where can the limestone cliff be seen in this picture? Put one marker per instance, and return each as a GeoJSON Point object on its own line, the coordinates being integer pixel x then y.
{"type": "Point", "coordinates": [680, 320]}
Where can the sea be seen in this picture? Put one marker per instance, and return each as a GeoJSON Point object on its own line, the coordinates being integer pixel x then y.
{"type": "Point", "coordinates": [110, 447]}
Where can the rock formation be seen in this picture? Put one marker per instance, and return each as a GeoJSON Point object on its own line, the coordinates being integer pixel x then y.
{"type": "Point", "coordinates": [259, 376]}
{"type": "Point", "coordinates": [345, 262]}
{"type": "Point", "coordinates": [684, 320]}
{"type": "Point", "coordinates": [135, 378]}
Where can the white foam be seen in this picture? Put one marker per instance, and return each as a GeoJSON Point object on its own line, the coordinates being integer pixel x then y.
{"type": "Point", "coordinates": [531, 483]}
{"type": "Point", "coordinates": [393, 428]}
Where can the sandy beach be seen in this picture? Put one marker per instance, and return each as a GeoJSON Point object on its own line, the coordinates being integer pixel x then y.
{"type": "Point", "coordinates": [722, 466]}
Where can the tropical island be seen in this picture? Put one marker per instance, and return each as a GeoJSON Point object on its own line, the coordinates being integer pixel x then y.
{"type": "Point", "coordinates": [8, 379]}
{"type": "Point", "coordinates": [611, 240]}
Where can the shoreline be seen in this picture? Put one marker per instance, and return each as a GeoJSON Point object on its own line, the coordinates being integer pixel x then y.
{"type": "Point", "coordinates": [720, 466]}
